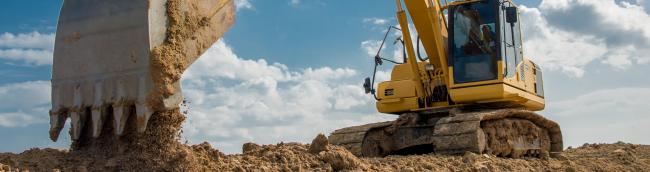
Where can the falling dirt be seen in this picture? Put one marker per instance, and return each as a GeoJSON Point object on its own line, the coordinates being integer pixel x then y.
{"type": "Point", "coordinates": [189, 34]}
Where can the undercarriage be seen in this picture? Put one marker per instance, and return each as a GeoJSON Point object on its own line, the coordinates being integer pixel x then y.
{"type": "Point", "coordinates": [505, 132]}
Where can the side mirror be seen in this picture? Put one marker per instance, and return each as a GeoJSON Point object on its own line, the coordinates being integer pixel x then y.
{"type": "Point", "coordinates": [511, 15]}
{"type": "Point", "coordinates": [367, 86]}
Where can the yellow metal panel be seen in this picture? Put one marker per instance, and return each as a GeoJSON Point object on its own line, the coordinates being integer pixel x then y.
{"type": "Point", "coordinates": [401, 72]}
{"type": "Point", "coordinates": [397, 105]}
{"type": "Point", "coordinates": [477, 93]}
{"type": "Point", "coordinates": [400, 89]}
{"type": "Point", "coordinates": [497, 93]}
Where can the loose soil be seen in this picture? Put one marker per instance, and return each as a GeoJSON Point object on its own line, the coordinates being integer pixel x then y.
{"type": "Point", "coordinates": [174, 156]}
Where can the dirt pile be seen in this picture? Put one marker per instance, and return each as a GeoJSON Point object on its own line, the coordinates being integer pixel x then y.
{"type": "Point", "coordinates": [303, 157]}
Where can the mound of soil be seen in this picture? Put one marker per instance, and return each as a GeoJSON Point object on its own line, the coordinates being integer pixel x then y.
{"type": "Point", "coordinates": [303, 157]}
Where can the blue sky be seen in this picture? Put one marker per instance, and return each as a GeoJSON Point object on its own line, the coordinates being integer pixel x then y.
{"type": "Point", "coordinates": [296, 67]}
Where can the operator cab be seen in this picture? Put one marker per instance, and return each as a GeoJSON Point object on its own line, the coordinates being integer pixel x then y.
{"type": "Point", "coordinates": [486, 58]}
{"type": "Point", "coordinates": [482, 34]}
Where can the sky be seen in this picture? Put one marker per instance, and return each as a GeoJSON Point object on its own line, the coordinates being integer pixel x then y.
{"type": "Point", "coordinates": [290, 69]}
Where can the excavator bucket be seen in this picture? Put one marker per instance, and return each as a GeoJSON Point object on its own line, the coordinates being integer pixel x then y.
{"type": "Point", "coordinates": [125, 57]}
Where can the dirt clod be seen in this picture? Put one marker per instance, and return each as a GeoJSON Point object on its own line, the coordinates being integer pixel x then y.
{"type": "Point", "coordinates": [249, 147]}
{"type": "Point", "coordinates": [340, 159]}
{"type": "Point", "coordinates": [319, 144]}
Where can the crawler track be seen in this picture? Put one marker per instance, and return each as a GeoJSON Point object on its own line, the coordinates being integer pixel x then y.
{"type": "Point", "coordinates": [505, 132]}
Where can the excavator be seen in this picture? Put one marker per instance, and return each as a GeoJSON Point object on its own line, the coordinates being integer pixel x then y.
{"type": "Point", "coordinates": [475, 92]}
{"type": "Point", "coordinates": [119, 62]}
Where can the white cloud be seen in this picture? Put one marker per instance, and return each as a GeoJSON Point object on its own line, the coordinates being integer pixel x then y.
{"type": "Point", "coordinates": [376, 21]}
{"type": "Point", "coordinates": [28, 56]}
{"type": "Point", "coordinates": [16, 119]}
{"type": "Point", "coordinates": [371, 47]}
{"type": "Point", "coordinates": [33, 40]}
{"type": "Point", "coordinates": [557, 49]}
{"type": "Point", "coordinates": [30, 48]}
{"type": "Point", "coordinates": [24, 103]}
{"type": "Point", "coordinates": [567, 35]}
{"type": "Point", "coordinates": [607, 115]}
{"type": "Point", "coordinates": [243, 4]}
{"type": "Point", "coordinates": [234, 100]}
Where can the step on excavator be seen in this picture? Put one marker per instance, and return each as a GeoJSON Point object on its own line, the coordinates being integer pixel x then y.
{"type": "Point", "coordinates": [121, 60]}
{"type": "Point", "coordinates": [474, 92]}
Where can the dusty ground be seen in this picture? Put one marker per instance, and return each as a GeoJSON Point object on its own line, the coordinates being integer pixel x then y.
{"type": "Point", "coordinates": [321, 157]}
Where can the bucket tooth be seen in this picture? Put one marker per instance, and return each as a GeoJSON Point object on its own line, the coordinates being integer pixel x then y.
{"type": "Point", "coordinates": [78, 119]}
{"type": "Point", "coordinates": [143, 113]}
{"type": "Point", "coordinates": [77, 114]}
{"type": "Point", "coordinates": [120, 116]}
{"type": "Point", "coordinates": [142, 110]}
{"type": "Point", "coordinates": [98, 115]}
{"type": "Point", "coordinates": [57, 120]}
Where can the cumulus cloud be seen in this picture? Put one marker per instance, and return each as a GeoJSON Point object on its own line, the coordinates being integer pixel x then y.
{"type": "Point", "coordinates": [234, 100]}
{"type": "Point", "coordinates": [28, 56]}
{"type": "Point", "coordinates": [607, 115]}
{"type": "Point", "coordinates": [24, 103]}
{"type": "Point", "coordinates": [29, 48]}
{"type": "Point", "coordinates": [243, 4]}
{"type": "Point", "coordinates": [567, 35]}
{"type": "Point", "coordinates": [33, 40]}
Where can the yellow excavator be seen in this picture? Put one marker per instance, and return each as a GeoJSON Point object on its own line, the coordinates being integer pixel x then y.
{"type": "Point", "coordinates": [474, 92]}
{"type": "Point", "coordinates": [118, 62]}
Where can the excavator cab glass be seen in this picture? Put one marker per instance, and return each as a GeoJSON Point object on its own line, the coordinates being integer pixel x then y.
{"type": "Point", "coordinates": [474, 42]}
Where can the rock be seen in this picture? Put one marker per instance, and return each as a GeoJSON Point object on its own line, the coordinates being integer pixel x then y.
{"type": "Point", "coordinates": [250, 147]}
{"type": "Point", "coordinates": [340, 159]}
{"type": "Point", "coordinates": [319, 144]}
